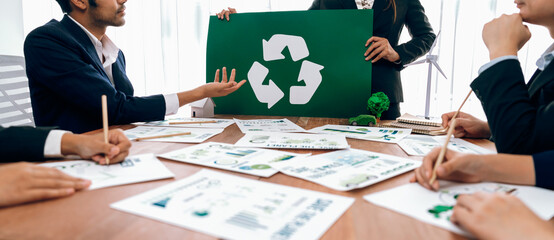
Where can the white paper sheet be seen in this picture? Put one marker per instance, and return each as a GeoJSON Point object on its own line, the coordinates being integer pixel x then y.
{"type": "Point", "coordinates": [422, 204]}
{"type": "Point", "coordinates": [231, 207]}
{"type": "Point", "coordinates": [388, 135]}
{"type": "Point", "coordinates": [347, 169]}
{"type": "Point", "coordinates": [254, 161]}
{"type": "Point", "coordinates": [197, 135]}
{"type": "Point", "coordinates": [293, 141]}
{"type": "Point", "coordinates": [268, 125]}
{"type": "Point", "coordinates": [419, 145]}
{"type": "Point", "coordinates": [134, 169]}
{"type": "Point", "coordinates": [221, 123]}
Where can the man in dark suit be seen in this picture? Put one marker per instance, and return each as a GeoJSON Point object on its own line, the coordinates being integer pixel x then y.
{"type": "Point", "coordinates": [388, 57]}
{"type": "Point", "coordinates": [519, 115]}
{"type": "Point", "coordinates": [71, 63]}
{"type": "Point", "coordinates": [25, 182]}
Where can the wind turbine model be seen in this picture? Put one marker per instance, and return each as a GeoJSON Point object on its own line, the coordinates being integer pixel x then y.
{"type": "Point", "coordinates": [431, 60]}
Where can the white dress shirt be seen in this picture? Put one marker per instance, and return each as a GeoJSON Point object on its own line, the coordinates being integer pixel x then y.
{"type": "Point", "coordinates": [108, 52]}
{"type": "Point", "coordinates": [53, 144]}
{"type": "Point", "coordinates": [365, 4]}
{"type": "Point", "coordinates": [545, 59]}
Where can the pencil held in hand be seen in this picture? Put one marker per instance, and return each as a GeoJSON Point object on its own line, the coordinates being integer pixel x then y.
{"type": "Point", "coordinates": [443, 151]}
{"type": "Point", "coordinates": [105, 122]}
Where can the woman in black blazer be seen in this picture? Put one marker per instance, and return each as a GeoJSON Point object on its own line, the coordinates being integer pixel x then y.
{"type": "Point", "coordinates": [389, 18]}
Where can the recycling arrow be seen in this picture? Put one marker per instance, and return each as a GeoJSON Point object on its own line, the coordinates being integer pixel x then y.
{"type": "Point", "coordinates": [270, 94]}
{"type": "Point", "coordinates": [310, 73]}
{"type": "Point", "coordinates": [274, 47]}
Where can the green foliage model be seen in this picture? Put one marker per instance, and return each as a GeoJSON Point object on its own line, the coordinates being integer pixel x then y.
{"type": "Point", "coordinates": [378, 103]}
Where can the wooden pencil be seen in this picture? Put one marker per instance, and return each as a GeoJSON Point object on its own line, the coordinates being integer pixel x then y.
{"type": "Point", "coordinates": [461, 105]}
{"type": "Point", "coordinates": [163, 136]}
{"type": "Point", "coordinates": [105, 122]}
{"type": "Point", "coordinates": [455, 114]}
{"type": "Point", "coordinates": [443, 151]}
{"type": "Point", "coordinates": [210, 121]}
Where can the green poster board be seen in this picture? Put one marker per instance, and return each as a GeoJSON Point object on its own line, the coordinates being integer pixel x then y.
{"type": "Point", "coordinates": [302, 63]}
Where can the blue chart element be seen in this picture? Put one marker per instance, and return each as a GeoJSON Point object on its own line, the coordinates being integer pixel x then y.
{"type": "Point", "coordinates": [162, 203]}
{"type": "Point", "coordinates": [288, 157]}
{"type": "Point", "coordinates": [127, 163]}
{"type": "Point", "coordinates": [393, 132]}
{"type": "Point", "coordinates": [246, 220]}
{"type": "Point", "coordinates": [240, 153]}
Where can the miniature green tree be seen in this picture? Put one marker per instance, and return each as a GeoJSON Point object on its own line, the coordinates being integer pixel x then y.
{"type": "Point", "coordinates": [378, 103]}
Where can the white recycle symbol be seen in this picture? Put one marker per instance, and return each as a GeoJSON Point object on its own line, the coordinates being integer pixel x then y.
{"type": "Point", "coordinates": [309, 72]}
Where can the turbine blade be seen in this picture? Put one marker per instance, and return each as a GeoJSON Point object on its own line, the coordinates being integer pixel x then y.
{"type": "Point", "coordinates": [417, 62]}
{"type": "Point", "coordinates": [439, 68]}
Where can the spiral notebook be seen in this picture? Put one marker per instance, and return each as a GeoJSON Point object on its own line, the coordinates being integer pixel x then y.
{"type": "Point", "coordinates": [418, 125]}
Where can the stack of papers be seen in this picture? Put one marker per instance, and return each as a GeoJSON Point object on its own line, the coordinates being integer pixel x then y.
{"type": "Point", "coordinates": [293, 141]}
{"type": "Point", "coordinates": [268, 125]}
{"type": "Point", "coordinates": [417, 145]}
{"type": "Point", "coordinates": [134, 169]}
{"type": "Point", "coordinates": [171, 122]}
{"type": "Point", "coordinates": [254, 161]}
{"type": "Point", "coordinates": [347, 169]}
{"type": "Point", "coordinates": [388, 135]}
{"type": "Point", "coordinates": [197, 135]}
{"type": "Point", "coordinates": [231, 207]}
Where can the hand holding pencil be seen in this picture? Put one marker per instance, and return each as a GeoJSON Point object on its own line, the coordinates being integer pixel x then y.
{"type": "Point", "coordinates": [466, 125]}
{"type": "Point", "coordinates": [456, 166]}
{"type": "Point", "coordinates": [93, 146]}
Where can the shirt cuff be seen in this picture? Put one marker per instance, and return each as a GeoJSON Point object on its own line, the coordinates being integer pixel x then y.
{"type": "Point", "coordinates": [53, 144]}
{"type": "Point", "coordinates": [495, 61]}
{"type": "Point", "coordinates": [171, 104]}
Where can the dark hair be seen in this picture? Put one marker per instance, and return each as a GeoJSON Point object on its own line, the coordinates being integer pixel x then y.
{"type": "Point", "coordinates": [66, 6]}
{"type": "Point", "coordinates": [392, 4]}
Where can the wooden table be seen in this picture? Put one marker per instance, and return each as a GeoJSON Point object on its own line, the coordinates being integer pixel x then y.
{"type": "Point", "coordinates": [87, 215]}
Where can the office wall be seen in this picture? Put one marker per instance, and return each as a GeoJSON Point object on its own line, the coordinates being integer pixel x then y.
{"type": "Point", "coordinates": [11, 27]}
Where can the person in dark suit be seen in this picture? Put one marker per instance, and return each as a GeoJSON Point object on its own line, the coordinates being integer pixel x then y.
{"type": "Point", "coordinates": [25, 182]}
{"type": "Point", "coordinates": [71, 63]}
{"type": "Point", "coordinates": [519, 115]}
{"type": "Point", "coordinates": [37, 144]}
{"type": "Point", "coordinates": [388, 57]}
{"type": "Point", "coordinates": [493, 215]}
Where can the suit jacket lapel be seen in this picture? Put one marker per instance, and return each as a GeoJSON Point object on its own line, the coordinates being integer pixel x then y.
{"type": "Point", "coordinates": [540, 79]}
{"type": "Point", "coordinates": [378, 7]}
{"type": "Point", "coordinates": [83, 39]}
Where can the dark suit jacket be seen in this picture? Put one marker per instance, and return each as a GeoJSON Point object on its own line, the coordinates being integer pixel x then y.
{"type": "Point", "coordinates": [22, 143]}
{"type": "Point", "coordinates": [66, 80]}
{"type": "Point", "coordinates": [544, 163]}
{"type": "Point", "coordinates": [409, 13]}
{"type": "Point", "coordinates": [520, 116]}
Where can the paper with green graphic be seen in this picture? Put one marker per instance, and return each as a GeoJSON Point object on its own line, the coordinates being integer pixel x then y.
{"type": "Point", "coordinates": [303, 63]}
